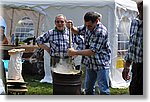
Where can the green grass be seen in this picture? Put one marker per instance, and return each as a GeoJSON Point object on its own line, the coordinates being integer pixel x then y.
{"type": "Point", "coordinates": [117, 91]}
{"type": "Point", "coordinates": [36, 88]}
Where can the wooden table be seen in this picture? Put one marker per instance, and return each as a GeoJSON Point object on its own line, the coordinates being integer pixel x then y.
{"type": "Point", "coordinates": [28, 48]}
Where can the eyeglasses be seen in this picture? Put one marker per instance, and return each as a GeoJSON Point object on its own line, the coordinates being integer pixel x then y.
{"type": "Point", "coordinates": [59, 21]}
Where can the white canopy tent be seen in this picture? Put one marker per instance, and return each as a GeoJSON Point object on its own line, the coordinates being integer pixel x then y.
{"type": "Point", "coordinates": [117, 16]}
{"type": "Point", "coordinates": [12, 13]}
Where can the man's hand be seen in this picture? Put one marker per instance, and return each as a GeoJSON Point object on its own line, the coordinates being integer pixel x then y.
{"type": "Point", "coordinates": [126, 70]}
{"type": "Point", "coordinates": [72, 52]}
{"type": "Point", "coordinates": [125, 74]}
{"type": "Point", "coordinates": [69, 24]}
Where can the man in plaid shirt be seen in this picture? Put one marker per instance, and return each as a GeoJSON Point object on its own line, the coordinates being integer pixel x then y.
{"type": "Point", "coordinates": [96, 53]}
{"type": "Point", "coordinates": [135, 55]}
{"type": "Point", "coordinates": [58, 39]}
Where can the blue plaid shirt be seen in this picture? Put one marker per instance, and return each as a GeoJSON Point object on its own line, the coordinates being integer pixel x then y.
{"type": "Point", "coordinates": [97, 41]}
{"type": "Point", "coordinates": [58, 40]}
{"type": "Point", "coordinates": [135, 50]}
{"type": "Point", "coordinates": [79, 40]}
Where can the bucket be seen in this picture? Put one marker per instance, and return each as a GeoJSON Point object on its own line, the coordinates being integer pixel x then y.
{"type": "Point", "coordinates": [67, 84]}
{"type": "Point", "coordinates": [6, 62]}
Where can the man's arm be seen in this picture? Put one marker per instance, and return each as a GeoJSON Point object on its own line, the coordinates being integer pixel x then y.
{"type": "Point", "coordinates": [45, 47]}
{"type": "Point", "coordinates": [74, 30]}
{"type": "Point", "coordinates": [86, 52]}
{"type": "Point", "coordinates": [5, 41]}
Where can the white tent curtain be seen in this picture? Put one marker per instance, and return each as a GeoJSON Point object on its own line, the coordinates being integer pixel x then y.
{"type": "Point", "coordinates": [13, 15]}
{"type": "Point", "coordinates": [7, 15]}
{"type": "Point", "coordinates": [123, 18]}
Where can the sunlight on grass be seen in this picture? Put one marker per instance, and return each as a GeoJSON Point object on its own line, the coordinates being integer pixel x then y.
{"type": "Point", "coordinates": [37, 88]}
{"type": "Point", "coordinates": [117, 91]}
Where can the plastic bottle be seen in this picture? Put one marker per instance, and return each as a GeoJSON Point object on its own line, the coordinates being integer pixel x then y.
{"type": "Point", "coordinates": [17, 41]}
{"type": "Point", "coordinates": [13, 39]}
{"type": "Point", "coordinates": [34, 40]}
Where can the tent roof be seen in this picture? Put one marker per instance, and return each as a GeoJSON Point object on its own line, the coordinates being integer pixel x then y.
{"type": "Point", "coordinates": [39, 6]}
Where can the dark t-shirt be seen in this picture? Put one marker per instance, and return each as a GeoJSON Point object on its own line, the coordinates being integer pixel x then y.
{"type": "Point", "coordinates": [4, 53]}
{"type": "Point", "coordinates": [2, 37]}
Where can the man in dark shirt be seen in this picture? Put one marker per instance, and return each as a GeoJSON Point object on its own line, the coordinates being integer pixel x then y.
{"type": "Point", "coordinates": [134, 56]}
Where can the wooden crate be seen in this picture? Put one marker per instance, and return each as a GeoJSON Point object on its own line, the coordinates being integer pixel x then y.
{"type": "Point", "coordinates": [16, 87]}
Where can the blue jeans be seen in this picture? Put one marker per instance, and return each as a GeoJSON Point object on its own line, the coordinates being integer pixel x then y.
{"type": "Point", "coordinates": [102, 78]}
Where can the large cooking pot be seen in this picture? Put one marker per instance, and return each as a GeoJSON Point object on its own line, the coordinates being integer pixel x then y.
{"type": "Point", "coordinates": [67, 84]}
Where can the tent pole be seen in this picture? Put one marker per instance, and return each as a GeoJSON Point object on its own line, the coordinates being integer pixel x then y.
{"type": "Point", "coordinates": [38, 26]}
{"type": "Point", "coordinates": [12, 20]}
